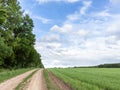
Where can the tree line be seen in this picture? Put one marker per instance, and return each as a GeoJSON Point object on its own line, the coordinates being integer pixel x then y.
{"type": "Point", "coordinates": [16, 37]}
{"type": "Point", "coordinates": [112, 65]}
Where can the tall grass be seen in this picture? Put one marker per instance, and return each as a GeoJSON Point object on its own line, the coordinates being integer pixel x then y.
{"type": "Point", "coordinates": [50, 85]}
{"type": "Point", "coordinates": [90, 78]}
{"type": "Point", "coordinates": [2, 70]}
{"type": "Point", "coordinates": [7, 74]}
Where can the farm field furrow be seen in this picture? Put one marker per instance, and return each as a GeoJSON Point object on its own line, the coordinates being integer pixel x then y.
{"type": "Point", "coordinates": [90, 78]}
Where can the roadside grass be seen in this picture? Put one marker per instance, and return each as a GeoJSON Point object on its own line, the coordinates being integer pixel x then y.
{"type": "Point", "coordinates": [90, 78]}
{"type": "Point", "coordinates": [7, 74]}
{"type": "Point", "coordinates": [50, 85]}
{"type": "Point", "coordinates": [25, 81]}
{"type": "Point", "coordinates": [2, 70]}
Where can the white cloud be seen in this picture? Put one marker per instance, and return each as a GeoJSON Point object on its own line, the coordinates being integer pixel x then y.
{"type": "Point", "coordinates": [71, 1]}
{"type": "Point", "coordinates": [115, 6]}
{"type": "Point", "coordinates": [81, 41]}
{"type": "Point", "coordinates": [86, 5]}
{"type": "Point", "coordinates": [115, 2]}
{"type": "Point", "coordinates": [82, 10]}
{"type": "Point", "coordinates": [42, 19]}
{"type": "Point", "coordinates": [83, 33]}
{"type": "Point", "coordinates": [90, 43]}
{"type": "Point", "coordinates": [50, 38]}
{"type": "Point", "coordinates": [93, 54]}
{"type": "Point", "coordinates": [55, 28]}
{"type": "Point", "coordinates": [46, 1]}
{"type": "Point", "coordinates": [64, 29]}
{"type": "Point", "coordinates": [104, 13]}
{"type": "Point", "coordinates": [114, 27]}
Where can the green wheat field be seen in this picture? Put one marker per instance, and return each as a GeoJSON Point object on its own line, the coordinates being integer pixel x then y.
{"type": "Point", "coordinates": [90, 78]}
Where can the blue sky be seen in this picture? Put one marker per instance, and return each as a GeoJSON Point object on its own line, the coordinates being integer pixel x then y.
{"type": "Point", "coordinates": [75, 32]}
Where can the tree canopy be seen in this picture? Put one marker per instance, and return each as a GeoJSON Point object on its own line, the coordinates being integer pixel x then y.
{"type": "Point", "coordinates": [16, 37]}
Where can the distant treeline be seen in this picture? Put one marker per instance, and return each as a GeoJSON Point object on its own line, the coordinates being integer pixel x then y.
{"type": "Point", "coordinates": [114, 65]}
{"type": "Point", "coordinates": [16, 37]}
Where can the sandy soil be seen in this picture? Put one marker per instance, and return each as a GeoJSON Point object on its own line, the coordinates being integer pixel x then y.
{"type": "Point", "coordinates": [58, 82]}
{"type": "Point", "coordinates": [37, 82]}
{"type": "Point", "coordinates": [13, 82]}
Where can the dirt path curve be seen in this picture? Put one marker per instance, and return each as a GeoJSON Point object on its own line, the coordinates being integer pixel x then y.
{"type": "Point", "coordinates": [13, 82]}
{"type": "Point", "coordinates": [37, 82]}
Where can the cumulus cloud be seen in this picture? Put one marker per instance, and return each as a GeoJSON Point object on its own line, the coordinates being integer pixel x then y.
{"type": "Point", "coordinates": [64, 29]}
{"type": "Point", "coordinates": [50, 38]}
{"type": "Point", "coordinates": [83, 32]}
{"type": "Point", "coordinates": [82, 10]}
{"type": "Point", "coordinates": [115, 2]}
{"type": "Point", "coordinates": [114, 28]}
{"type": "Point", "coordinates": [90, 43]}
{"type": "Point", "coordinates": [86, 5]}
{"type": "Point", "coordinates": [93, 54]}
{"type": "Point", "coordinates": [104, 13]}
{"type": "Point", "coordinates": [82, 41]}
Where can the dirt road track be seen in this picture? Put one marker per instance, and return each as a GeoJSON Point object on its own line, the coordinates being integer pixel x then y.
{"type": "Point", "coordinates": [58, 82]}
{"type": "Point", "coordinates": [37, 82]}
{"type": "Point", "coordinates": [13, 82]}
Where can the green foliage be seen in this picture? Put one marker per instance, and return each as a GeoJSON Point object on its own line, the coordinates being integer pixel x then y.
{"type": "Point", "coordinates": [3, 15]}
{"type": "Point", "coordinates": [16, 37]}
{"type": "Point", "coordinates": [90, 78]}
{"type": "Point", "coordinates": [114, 65]}
{"type": "Point", "coordinates": [5, 51]}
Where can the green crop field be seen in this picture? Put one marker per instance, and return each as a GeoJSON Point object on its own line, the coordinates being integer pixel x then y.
{"type": "Point", "coordinates": [90, 78]}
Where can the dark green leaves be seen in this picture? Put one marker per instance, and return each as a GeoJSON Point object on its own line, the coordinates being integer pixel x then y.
{"type": "Point", "coordinates": [16, 37]}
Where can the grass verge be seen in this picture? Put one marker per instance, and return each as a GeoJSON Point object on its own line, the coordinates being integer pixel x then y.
{"type": "Point", "coordinates": [12, 73]}
{"type": "Point", "coordinates": [2, 70]}
{"type": "Point", "coordinates": [25, 81]}
{"type": "Point", "coordinates": [50, 85]}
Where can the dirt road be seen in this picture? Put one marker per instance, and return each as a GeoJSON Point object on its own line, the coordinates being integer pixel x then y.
{"type": "Point", "coordinates": [13, 82]}
{"type": "Point", "coordinates": [37, 82]}
{"type": "Point", "coordinates": [58, 82]}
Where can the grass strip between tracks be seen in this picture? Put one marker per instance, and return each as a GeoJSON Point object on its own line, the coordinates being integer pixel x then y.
{"type": "Point", "coordinates": [25, 81]}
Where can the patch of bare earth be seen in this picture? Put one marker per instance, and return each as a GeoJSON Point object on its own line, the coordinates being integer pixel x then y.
{"type": "Point", "coordinates": [12, 83]}
{"type": "Point", "coordinates": [37, 82]}
{"type": "Point", "coordinates": [58, 82]}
